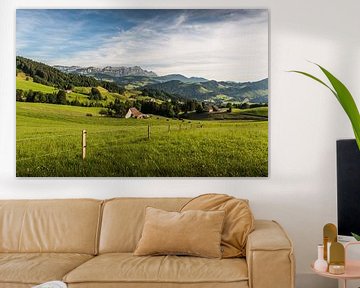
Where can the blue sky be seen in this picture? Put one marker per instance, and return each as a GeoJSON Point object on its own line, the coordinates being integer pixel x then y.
{"type": "Point", "coordinates": [216, 44]}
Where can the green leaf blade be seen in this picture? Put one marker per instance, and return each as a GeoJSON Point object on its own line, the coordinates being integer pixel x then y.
{"type": "Point", "coordinates": [316, 79]}
{"type": "Point", "coordinates": [344, 97]}
{"type": "Point", "coordinates": [347, 102]}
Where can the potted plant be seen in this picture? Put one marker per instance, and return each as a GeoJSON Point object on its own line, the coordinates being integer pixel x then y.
{"type": "Point", "coordinates": [345, 99]}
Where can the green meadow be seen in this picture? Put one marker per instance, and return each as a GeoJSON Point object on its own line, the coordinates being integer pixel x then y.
{"type": "Point", "coordinates": [49, 144]}
{"type": "Point", "coordinates": [78, 93]}
{"type": "Point", "coordinates": [257, 114]}
{"type": "Point", "coordinates": [23, 84]}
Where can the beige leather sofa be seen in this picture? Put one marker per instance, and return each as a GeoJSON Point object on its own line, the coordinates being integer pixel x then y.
{"type": "Point", "coordinates": [89, 243]}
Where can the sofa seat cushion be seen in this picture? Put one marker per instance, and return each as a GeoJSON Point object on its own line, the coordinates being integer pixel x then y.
{"type": "Point", "coordinates": [127, 268]}
{"type": "Point", "coordinates": [36, 268]}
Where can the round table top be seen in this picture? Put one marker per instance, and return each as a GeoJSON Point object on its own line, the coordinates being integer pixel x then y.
{"type": "Point", "coordinates": [352, 271]}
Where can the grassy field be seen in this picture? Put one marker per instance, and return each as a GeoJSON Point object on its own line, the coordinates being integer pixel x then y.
{"type": "Point", "coordinates": [257, 114]}
{"type": "Point", "coordinates": [49, 144]}
{"type": "Point", "coordinates": [30, 85]}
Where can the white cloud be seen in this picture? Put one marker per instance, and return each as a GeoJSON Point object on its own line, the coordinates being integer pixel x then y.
{"type": "Point", "coordinates": [231, 49]}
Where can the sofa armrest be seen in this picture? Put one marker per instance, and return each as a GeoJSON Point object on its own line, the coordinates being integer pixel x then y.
{"type": "Point", "coordinates": [269, 256]}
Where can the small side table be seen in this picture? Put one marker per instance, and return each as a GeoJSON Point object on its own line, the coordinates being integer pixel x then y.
{"type": "Point", "coordinates": [352, 269]}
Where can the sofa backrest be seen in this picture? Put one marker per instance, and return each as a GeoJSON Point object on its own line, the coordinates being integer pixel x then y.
{"type": "Point", "coordinates": [67, 226]}
{"type": "Point", "coordinates": [123, 220]}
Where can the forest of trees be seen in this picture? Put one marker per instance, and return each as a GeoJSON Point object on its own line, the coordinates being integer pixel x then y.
{"type": "Point", "coordinates": [58, 97]}
{"type": "Point", "coordinates": [40, 97]}
{"type": "Point", "coordinates": [169, 109]}
{"type": "Point", "coordinates": [160, 94]}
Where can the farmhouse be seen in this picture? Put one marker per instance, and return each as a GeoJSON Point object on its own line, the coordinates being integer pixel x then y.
{"type": "Point", "coordinates": [208, 108]}
{"type": "Point", "coordinates": [135, 113]}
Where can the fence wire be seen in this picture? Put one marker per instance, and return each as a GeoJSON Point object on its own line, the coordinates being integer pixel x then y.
{"type": "Point", "coordinates": [179, 127]}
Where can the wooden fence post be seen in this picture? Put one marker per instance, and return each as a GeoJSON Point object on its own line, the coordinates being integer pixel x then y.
{"type": "Point", "coordinates": [84, 144]}
{"type": "Point", "coordinates": [149, 131]}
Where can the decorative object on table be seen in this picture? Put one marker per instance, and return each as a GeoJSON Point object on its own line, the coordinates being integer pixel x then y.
{"type": "Point", "coordinates": [350, 270]}
{"type": "Point", "coordinates": [336, 269]}
{"type": "Point", "coordinates": [337, 258]}
{"type": "Point", "coordinates": [344, 97]}
{"type": "Point", "coordinates": [52, 284]}
{"type": "Point", "coordinates": [333, 251]}
{"type": "Point", "coordinates": [320, 264]}
{"type": "Point", "coordinates": [329, 236]}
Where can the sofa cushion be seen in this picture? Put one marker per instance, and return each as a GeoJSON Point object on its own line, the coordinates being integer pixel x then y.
{"type": "Point", "coordinates": [36, 268]}
{"type": "Point", "coordinates": [239, 220]}
{"type": "Point", "coordinates": [123, 220]}
{"type": "Point", "coordinates": [126, 268]}
{"type": "Point", "coordinates": [194, 232]}
{"type": "Point", "coordinates": [63, 226]}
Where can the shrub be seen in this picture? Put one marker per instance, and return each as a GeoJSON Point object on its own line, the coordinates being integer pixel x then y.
{"type": "Point", "coordinates": [103, 112]}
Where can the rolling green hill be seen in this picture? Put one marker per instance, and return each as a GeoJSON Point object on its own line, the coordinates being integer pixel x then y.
{"type": "Point", "coordinates": [254, 92]}
{"type": "Point", "coordinates": [80, 94]}
{"type": "Point", "coordinates": [175, 87]}
{"type": "Point", "coordinates": [30, 85]}
{"type": "Point", "coordinates": [35, 76]}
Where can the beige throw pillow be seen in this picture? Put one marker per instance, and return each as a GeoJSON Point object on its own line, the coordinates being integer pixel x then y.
{"type": "Point", "coordinates": [194, 232]}
{"type": "Point", "coordinates": [239, 220]}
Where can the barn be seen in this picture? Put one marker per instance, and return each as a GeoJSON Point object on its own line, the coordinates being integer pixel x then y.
{"type": "Point", "coordinates": [135, 113]}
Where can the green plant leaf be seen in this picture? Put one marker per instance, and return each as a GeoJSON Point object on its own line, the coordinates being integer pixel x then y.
{"type": "Point", "coordinates": [316, 79]}
{"type": "Point", "coordinates": [356, 236]}
{"type": "Point", "coordinates": [347, 102]}
{"type": "Point", "coordinates": [344, 97]}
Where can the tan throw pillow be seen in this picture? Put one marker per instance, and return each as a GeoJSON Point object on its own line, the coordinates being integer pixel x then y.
{"type": "Point", "coordinates": [196, 233]}
{"type": "Point", "coordinates": [239, 220]}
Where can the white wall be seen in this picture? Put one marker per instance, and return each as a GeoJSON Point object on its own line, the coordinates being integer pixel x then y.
{"type": "Point", "coordinates": [305, 120]}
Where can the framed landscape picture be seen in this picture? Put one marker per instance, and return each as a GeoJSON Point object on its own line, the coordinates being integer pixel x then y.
{"type": "Point", "coordinates": [142, 93]}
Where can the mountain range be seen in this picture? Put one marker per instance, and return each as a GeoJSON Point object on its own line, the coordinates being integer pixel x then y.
{"type": "Point", "coordinates": [218, 92]}
{"type": "Point", "coordinates": [112, 73]}
{"type": "Point", "coordinates": [108, 70]}
{"type": "Point", "coordinates": [197, 88]}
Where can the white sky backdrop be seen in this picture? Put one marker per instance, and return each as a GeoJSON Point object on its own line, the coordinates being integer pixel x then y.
{"type": "Point", "coordinates": [229, 48]}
